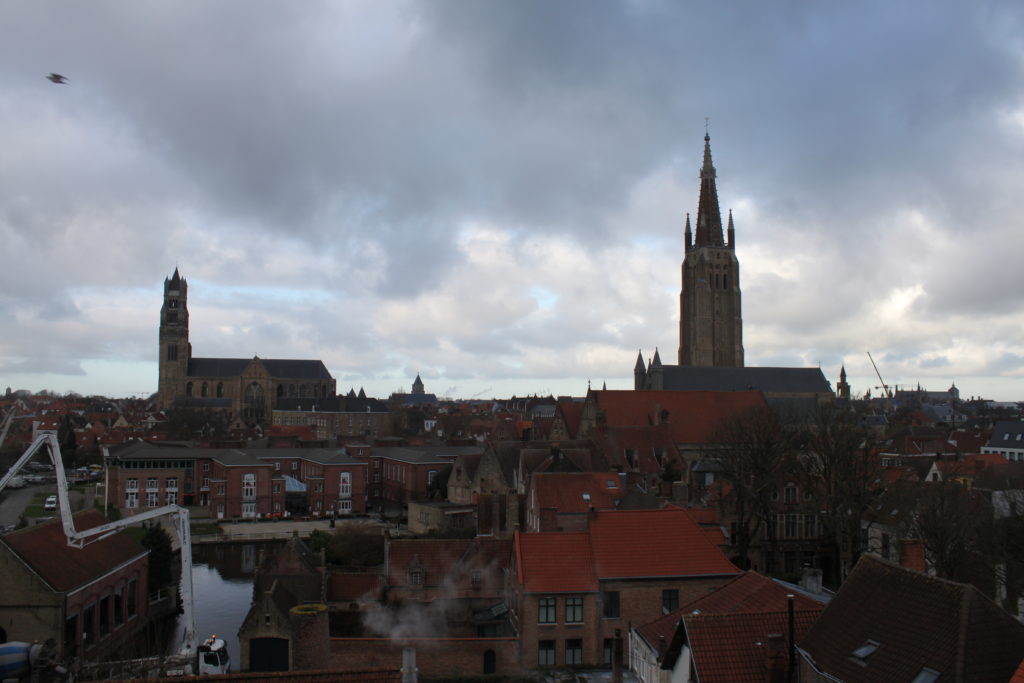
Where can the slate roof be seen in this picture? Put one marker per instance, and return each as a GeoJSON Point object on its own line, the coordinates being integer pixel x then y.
{"type": "Point", "coordinates": [414, 456]}
{"type": "Point", "coordinates": [918, 621]}
{"type": "Point", "coordinates": [45, 549]}
{"type": "Point", "coordinates": [1007, 434]}
{"type": "Point", "coordinates": [277, 368]}
{"type": "Point", "coordinates": [768, 380]}
{"type": "Point", "coordinates": [445, 560]}
{"type": "Point", "coordinates": [734, 647]}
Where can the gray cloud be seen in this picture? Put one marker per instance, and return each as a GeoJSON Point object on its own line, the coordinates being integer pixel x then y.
{"type": "Point", "coordinates": [347, 150]}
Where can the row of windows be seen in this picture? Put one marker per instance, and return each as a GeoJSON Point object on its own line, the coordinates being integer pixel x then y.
{"type": "Point", "coordinates": [152, 484]}
{"type": "Point", "coordinates": [573, 652]}
{"type": "Point", "coordinates": [155, 464]}
{"type": "Point", "coordinates": [547, 610]}
{"type": "Point", "coordinates": [796, 526]}
{"type": "Point", "coordinates": [99, 619]}
{"type": "Point", "coordinates": [131, 499]}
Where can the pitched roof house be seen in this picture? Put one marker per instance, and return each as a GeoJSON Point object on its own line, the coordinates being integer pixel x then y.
{"type": "Point", "coordinates": [888, 623]}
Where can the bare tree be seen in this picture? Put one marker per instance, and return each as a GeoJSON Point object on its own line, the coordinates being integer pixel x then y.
{"type": "Point", "coordinates": [840, 469]}
{"type": "Point", "coordinates": [754, 451]}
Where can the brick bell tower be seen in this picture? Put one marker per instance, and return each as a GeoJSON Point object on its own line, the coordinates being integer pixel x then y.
{"type": "Point", "coordinates": [175, 349]}
{"type": "Point", "coordinates": [710, 319]}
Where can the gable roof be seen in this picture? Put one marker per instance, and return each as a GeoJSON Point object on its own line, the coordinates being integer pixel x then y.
{"type": "Point", "coordinates": [555, 562]}
{"type": "Point", "coordinates": [768, 380]}
{"type": "Point", "coordinates": [734, 647]}
{"type": "Point", "coordinates": [748, 592]}
{"type": "Point", "coordinates": [571, 411]}
{"type": "Point", "coordinates": [918, 621]}
{"type": "Point", "coordinates": [45, 549]}
{"type": "Point", "coordinates": [649, 543]}
{"type": "Point", "coordinates": [692, 416]}
{"type": "Point", "coordinates": [1007, 434]}
{"type": "Point", "coordinates": [278, 368]}
{"type": "Point", "coordinates": [576, 492]}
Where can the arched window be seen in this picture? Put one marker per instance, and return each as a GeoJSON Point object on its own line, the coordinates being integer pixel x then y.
{"type": "Point", "coordinates": [252, 405]}
{"type": "Point", "coordinates": [188, 389]}
{"type": "Point", "coordinates": [302, 391]}
{"type": "Point", "coordinates": [204, 390]}
{"type": "Point", "coordinates": [220, 389]}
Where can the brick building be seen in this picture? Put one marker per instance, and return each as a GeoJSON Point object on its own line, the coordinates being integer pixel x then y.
{"type": "Point", "coordinates": [91, 600]}
{"type": "Point", "coordinates": [574, 590]}
{"type": "Point", "coordinates": [233, 483]}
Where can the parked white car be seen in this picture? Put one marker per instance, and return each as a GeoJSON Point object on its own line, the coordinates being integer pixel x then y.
{"type": "Point", "coordinates": [51, 504]}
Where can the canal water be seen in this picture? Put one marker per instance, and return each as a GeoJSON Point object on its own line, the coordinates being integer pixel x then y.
{"type": "Point", "coordinates": [222, 575]}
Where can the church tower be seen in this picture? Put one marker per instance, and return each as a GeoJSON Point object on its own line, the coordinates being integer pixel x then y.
{"type": "Point", "coordinates": [175, 349]}
{"type": "Point", "coordinates": [710, 320]}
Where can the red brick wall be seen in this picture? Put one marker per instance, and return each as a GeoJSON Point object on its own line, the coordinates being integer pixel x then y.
{"type": "Point", "coordinates": [434, 656]}
{"type": "Point", "coordinates": [531, 632]}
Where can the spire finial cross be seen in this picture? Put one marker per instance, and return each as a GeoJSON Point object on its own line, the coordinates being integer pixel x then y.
{"type": "Point", "coordinates": [707, 122]}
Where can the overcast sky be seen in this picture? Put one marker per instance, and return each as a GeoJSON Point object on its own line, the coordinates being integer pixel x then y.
{"type": "Point", "coordinates": [492, 194]}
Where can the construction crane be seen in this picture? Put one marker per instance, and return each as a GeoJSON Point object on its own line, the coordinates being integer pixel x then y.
{"type": "Point", "coordinates": [193, 659]}
{"type": "Point", "coordinates": [885, 387]}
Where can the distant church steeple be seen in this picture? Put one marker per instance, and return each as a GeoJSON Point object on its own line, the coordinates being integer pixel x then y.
{"type": "Point", "coordinates": [710, 316]}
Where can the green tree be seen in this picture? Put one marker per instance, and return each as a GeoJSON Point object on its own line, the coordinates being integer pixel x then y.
{"type": "Point", "coordinates": [161, 556]}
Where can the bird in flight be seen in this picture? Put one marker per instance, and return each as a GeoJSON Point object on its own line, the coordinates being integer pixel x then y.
{"type": "Point", "coordinates": [57, 78]}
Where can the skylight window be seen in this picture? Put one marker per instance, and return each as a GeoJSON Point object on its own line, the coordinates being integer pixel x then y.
{"type": "Point", "coordinates": [862, 653]}
{"type": "Point", "coordinates": [926, 675]}
{"type": "Point", "coordinates": [586, 496]}
{"type": "Point", "coordinates": [611, 483]}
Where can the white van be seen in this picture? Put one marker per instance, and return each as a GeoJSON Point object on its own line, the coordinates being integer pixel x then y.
{"type": "Point", "coordinates": [51, 504]}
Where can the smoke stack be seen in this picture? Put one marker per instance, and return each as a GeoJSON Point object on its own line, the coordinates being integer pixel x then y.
{"type": "Point", "coordinates": [409, 670]}
{"type": "Point", "coordinates": [912, 555]}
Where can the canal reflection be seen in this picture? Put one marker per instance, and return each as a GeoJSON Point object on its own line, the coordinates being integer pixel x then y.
{"type": "Point", "coordinates": [222, 585]}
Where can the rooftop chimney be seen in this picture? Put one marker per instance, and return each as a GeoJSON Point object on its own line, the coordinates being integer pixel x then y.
{"type": "Point", "coordinates": [912, 555]}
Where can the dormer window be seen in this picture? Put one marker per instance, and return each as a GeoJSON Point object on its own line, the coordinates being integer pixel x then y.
{"type": "Point", "coordinates": [926, 675]}
{"type": "Point", "coordinates": [864, 652]}
{"type": "Point", "coordinates": [416, 577]}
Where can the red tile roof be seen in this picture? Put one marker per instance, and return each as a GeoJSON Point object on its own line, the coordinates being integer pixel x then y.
{"type": "Point", "coordinates": [576, 492]}
{"type": "Point", "coordinates": [555, 562]}
{"type": "Point", "coordinates": [45, 549]}
{"type": "Point", "coordinates": [644, 543]}
{"type": "Point", "coordinates": [734, 647]}
{"type": "Point", "coordinates": [1018, 676]}
{"type": "Point", "coordinates": [748, 592]}
{"type": "Point", "coordinates": [571, 412]}
{"type": "Point", "coordinates": [694, 416]}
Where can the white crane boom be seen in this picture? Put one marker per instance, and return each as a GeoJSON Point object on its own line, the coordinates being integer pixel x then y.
{"type": "Point", "coordinates": [79, 539]}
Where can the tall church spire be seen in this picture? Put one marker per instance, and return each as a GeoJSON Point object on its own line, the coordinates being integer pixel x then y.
{"type": "Point", "coordinates": [709, 218]}
{"type": "Point", "coordinates": [710, 322]}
